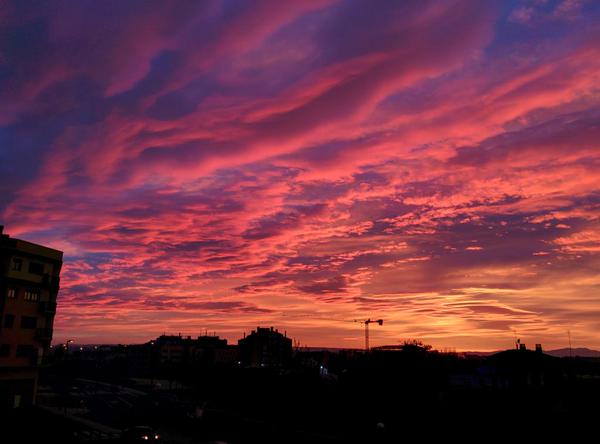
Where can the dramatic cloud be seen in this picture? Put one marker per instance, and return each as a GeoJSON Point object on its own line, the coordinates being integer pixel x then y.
{"type": "Point", "coordinates": [227, 164]}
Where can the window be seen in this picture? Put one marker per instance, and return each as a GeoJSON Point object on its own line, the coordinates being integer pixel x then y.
{"type": "Point", "coordinates": [11, 293]}
{"type": "Point", "coordinates": [17, 264]}
{"type": "Point", "coordinates": [36, 268]}
{"type": "Point", "coordinates": [32, 295]}
{"type": "Point", "coordinates": [28, 322]}
{"type": "Point", "coordinates": [24, 351]}
{"type": "Point", "coordinates": [9, 320]}
{"type": "Point", "coordinates": [4, 350]}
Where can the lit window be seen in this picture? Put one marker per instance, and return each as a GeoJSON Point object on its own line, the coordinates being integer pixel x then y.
{"type": "Point", "coordinates": [32, 295]}
{"type": "Point", "coordinates": [11, 293]}
{"type": "Point", "coordinates": [17, 264]}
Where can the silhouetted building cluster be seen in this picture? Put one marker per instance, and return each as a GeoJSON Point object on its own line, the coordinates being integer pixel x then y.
{"type": "Point", "coordinates": [202, 349]}
{"type": "Point", "coordinates": [29, 283]}
{"type": "Point", "coordinates": [269, 386]}
{"type": "Point", "coordinates": [171, 357]}
{"type": "Point", "coordinates": [265, 347]}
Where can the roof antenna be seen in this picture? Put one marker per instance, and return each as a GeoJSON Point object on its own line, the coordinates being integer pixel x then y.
{"type": "Point", "coordinates": [570, 348]}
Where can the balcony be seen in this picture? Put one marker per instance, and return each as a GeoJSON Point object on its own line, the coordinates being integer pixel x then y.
{"type": "Point", "coordinates": [43, 334]}
{"type": "Point", "coordinates": [47, 307]}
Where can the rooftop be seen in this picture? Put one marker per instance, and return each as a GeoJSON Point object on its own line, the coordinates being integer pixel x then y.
{"type": "Point", "coordinates": [28, 247]}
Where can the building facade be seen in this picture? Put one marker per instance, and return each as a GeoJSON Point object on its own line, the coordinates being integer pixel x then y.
{"type": "Point", "coordinates": [29, 283]}
{"type": "Point", "coordinates": [265, 347]}
{"type": "Point", "coordinates": [208, 350]}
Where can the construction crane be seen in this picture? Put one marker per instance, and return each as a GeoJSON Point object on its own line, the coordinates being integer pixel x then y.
{"type": "Point", "coordinates": [366, 323]}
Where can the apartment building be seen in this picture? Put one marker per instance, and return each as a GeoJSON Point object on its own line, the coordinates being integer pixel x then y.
{"type": "Point", "coordinates": [29, 283]}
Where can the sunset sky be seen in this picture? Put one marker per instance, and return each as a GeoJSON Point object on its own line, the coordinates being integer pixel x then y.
{"type": "Point", "coordinates": [229, 164]}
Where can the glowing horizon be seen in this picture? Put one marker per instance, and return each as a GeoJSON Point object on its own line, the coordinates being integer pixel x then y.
{"type": "Point", "coordinates": [223, 165]}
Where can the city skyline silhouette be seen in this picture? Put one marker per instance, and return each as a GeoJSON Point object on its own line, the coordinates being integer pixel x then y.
{"type": "Point", "coordinates": [315, 221]}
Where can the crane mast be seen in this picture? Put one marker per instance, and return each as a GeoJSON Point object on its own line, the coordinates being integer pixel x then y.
{"type": "Point", "coordinates": [366, 323]}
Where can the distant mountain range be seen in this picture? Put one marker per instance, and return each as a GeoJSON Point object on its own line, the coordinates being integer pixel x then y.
{"type": "Point", "coordinates": [559, 353]}
{"type": "Point", "coordinates": [582, 352]}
